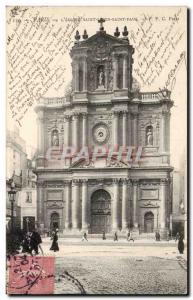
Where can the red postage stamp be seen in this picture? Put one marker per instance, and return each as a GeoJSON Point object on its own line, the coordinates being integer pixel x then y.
{"type": "Point", "coordinates": [30, 275]}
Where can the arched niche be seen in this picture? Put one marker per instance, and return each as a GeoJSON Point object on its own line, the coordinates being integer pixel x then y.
{"type": "Point", "coordinates": [149, 135]}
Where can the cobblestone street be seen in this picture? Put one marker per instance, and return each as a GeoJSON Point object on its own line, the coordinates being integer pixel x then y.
{"type": "Point", "coordinates": [108, 275]}
{"type": "Point", "coordinates": [121, 268]}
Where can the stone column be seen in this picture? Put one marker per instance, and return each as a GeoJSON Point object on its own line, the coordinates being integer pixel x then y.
{"type": "Point", "coordinates": [135, 129]}
{"type": "Point", "coordinates": [124, 205]}
{"type": "Point", "coordinates": [115, 127]}
{"type": "Point", "coordinates": [75, 135]}
{"type": "Point", "coordinates": [84, 129]}
{"type": "Point", "coordinates": [129, 129]}
{"type": "Point", "coordinates": [40, 203]}
{"type": "Point", "coordinates": [135, 199]}
{"type": "Point", "coordinates": [106, 78]}
{"type": "Point", "coordinates": [163, 138]}
{"type": "Point", "coordinates": [163, 193]}
{"type": "Point", "coordinates": [124, 128]}
{"type": "Point", "coordinates": [76, 73]}
{"type": "Point", "coordinates": [115, 212]}
{"type": "Point", "coordinates": [75, 204]}
{"type": "Point", "coordinates": [68, 204]}
{"type": "Point", "coordinates": [125, 79]}
{"type": "Point", "coordinates": [67, 131]}
{"type": "Point", "coordinates": [84, 74]}
{"type": "Point", "coordinates": [84, 205]}
{"type": "Point", "coordinates": [115, 72]}
{"type": "Point", "coordinates": [40, 127]}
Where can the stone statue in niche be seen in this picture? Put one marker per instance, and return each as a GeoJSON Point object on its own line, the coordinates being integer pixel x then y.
{"type": "Point", "coordinates": [149, 136]}
{"type": "Point", "coordinates": [55, 138]}
{"type": "Point", "coordinates": [101, 77]}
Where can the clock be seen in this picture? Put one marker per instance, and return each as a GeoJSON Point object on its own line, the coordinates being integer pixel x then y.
{"type": "Point", "coordinates": [100, 133]}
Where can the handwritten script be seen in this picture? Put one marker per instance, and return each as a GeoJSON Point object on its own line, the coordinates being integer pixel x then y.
{"type": "Point", "coordinates": [155, 45]}
{"type": "Point", "coordinates": [35, 56]}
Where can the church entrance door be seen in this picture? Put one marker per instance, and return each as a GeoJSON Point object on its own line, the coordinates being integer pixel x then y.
{"type": "Point", "coordinates": [54, 221]}
{"type": "Point", "coordinates": [149, 222]}
{"type": "Point", "coordinates": [100, 212]}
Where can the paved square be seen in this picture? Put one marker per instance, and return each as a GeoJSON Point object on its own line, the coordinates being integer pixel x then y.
{"type": "Point", "coordinates": [121, 275]}
{"type": "Point", "coordinates": [107, 267]}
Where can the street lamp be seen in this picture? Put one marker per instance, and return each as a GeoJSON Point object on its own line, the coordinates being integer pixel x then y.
{"type": "Point", "coordinates": [27, 224]}
{"type": "Point", "coordinates": [12, 194]}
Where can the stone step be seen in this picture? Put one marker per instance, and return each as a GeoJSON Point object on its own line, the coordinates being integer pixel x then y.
{"type": "Point", "coordinates": [121, 235]}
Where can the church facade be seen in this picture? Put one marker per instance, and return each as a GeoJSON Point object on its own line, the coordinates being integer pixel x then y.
{"type": "Point", "coordinates": [104, 110]}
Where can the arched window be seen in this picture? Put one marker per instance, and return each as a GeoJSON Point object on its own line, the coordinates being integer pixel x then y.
{"type": "Point", "coordinates": [55, 138]}
{"type": "Point", "coordinates": [149, 135]}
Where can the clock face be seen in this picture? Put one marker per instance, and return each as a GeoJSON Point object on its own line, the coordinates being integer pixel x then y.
{"type": "Point", "coordinates": [100, 133]}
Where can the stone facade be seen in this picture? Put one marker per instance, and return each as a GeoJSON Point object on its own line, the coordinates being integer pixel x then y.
{"type": "Point", "coordinates": [104, 109]}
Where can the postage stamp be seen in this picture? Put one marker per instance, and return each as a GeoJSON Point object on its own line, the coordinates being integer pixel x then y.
{"type": "Point", "coordinates": [30, 275]}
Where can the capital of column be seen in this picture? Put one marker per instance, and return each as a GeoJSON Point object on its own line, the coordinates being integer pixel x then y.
{"type": "Point", "coordinates": [124, 113]}
{"type": "Point", "coordinates": [164, 181]}
{"type": "Point", "coordinates": [67, 117]}
{"type": "Point", "coordinates": [116, 113]}
{"type": "Point", "coordinates": [84, 181]}
{"type": "Point", "coordinates": [126, 181]}
{"type": "Point", "coordinates": [84, 115]}
{"type": "Point", "coordinates": [67, 182]}
{"type": "Point", "coordinates": [75, 116]}
{"type": "Point", "coordinates": [76, 182]}
{"type": "Point", "coordinates": [116, 180]}
{"type": "Point", "coordinates": [135, 182]}
{"type": "Point", "coordinates": [114, 56]}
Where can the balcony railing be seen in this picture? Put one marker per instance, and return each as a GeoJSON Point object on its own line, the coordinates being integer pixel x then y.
{"type": "Point", "coordinates": [51, 101]}
{"type": "Point", "coordinates": [161, 95]}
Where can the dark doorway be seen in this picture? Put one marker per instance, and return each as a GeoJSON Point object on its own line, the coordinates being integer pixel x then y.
{"type": "Point", "coordinates": [149, 222]}
{"type": "Point", "coordinates": [100, 212]}
{"type": "Point", "coordinates": [55, 221]}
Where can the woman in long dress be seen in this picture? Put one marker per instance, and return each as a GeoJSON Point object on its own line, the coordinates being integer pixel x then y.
{"type": "Point", "coordinates": [181, 245]}
{"type": "Point", "coordinates": [54, 238]}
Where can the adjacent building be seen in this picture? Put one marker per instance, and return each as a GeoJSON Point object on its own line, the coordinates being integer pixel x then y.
{"type": "Point", "coordinates": [19, 170]}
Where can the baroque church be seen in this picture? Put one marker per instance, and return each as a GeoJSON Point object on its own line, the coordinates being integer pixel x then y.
{"type": "Point", "coordinates": [106, 108]}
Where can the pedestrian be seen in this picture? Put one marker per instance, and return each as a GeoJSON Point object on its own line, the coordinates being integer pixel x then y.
{"type": "Point", "coordinates": [115, 237]}
{"type": "Point", "coordinates": [130, 238]}
{"type": "Point", "coordinates": [104, 237]}
{"type": "Point", "coordinates": [84, 238]}
{"type": "Point", "coordinates": [128, 235]}
{"type": "Point", "coordinates": [181, 245]}
{"type": "Point", "coordinates": [54, 247]}
{"type": "Point", "coordinates": [177, 236]}
{"type": "Point", "coordinates": [26, 243]}
{"type": "Point", "coordinates": [35, 241]}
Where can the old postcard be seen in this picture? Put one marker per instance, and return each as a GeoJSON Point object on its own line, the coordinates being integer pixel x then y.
{"type": "Point", "coordinates": [96, 150]}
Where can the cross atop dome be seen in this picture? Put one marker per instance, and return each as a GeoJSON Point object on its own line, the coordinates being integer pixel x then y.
{"type": "Point", "coordinates": [101, 21]}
